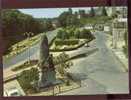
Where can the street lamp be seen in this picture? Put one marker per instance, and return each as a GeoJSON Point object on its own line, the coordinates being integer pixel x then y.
{"type": "Point", "coordinates": [28, 34]}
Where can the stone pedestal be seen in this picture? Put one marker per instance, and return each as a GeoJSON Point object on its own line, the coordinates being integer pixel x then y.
{"type": "Point", "coordinates": [47, 78]}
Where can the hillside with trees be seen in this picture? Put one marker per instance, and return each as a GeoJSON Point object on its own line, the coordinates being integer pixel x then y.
{"type": "Point", "coordinates": [15, 23]}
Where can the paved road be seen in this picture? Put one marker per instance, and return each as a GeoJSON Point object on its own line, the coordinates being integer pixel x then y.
{"type": "Point", "coordinates": [100, 72]}
{"type": "Point", "coordinates": [24, 56]}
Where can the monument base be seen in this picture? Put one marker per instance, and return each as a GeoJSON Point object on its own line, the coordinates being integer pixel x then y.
{"type": "Point", "coordinates": [47, 80]}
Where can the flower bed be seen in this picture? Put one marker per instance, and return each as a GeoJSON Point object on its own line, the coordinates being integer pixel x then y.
{"type": "Point", "coordinates": [68, 47]}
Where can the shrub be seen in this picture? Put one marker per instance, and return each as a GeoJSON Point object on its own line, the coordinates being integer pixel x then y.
{"type": "Point", "coordinates": [77, 33]}
{"type": "Point", "coordinates": [73, 32]}
{"type": "Point", "coordinates": [27, 77]}
{"type": "Point", "coordinates": [66, 42]}
{"type": "Point", "coordinates": [25, 65]}
{"type": "Point", "coordinates": [62, 34]}
{"type": "Point", "coordinates": [86, 34]}
{"type": "Point", "coordinates": [67, 82]}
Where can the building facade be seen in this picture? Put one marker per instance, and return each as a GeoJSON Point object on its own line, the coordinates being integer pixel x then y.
{"type": "Point", "coordinates": [119, 27]}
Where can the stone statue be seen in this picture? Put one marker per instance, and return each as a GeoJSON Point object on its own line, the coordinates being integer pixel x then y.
{"type": "Point", "coordinates": [46, 66]}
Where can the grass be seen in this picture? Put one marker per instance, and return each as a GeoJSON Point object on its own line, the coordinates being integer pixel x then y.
{"type": "Point", "coordinates": [22, 45]}
{"type": "Point", "coordinates": [64, 47]}
{"type": "Point", "coordinates": [34, 62]}
{"type": "Point", "coordinates": [60, 48]}
{"type": "Point", "coordinates": [62, 87]}
{"type": "Point", "coordinates": [25, 65]}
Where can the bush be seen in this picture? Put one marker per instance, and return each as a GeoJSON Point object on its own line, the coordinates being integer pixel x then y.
{"type": "Point", "coordinates": [62, 34]}
{"type": "Point", "coordinates": [85, 33]}
{"type": "Point", "coordinates": [66, 42]}
{"type": "Point", "coordinates": [27, 77]}
{"type": "Point", "coordinates": [67, 82]}
{"type": "Point", "coordinates": [77, 33]}
{"type": "Point", "coordinates": [25, 65]}
{"type": "Point", "coordinates": [72, 33]}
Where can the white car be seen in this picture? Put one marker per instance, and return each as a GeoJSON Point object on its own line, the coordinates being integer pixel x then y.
{"type": "Point", "coordinates": [13, 92]}
{"type": "Point", "coordinates": [86, 45]}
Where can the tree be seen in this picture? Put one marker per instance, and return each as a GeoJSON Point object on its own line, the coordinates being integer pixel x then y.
{"type": "Point", "coordinates": [104, 13]}
{"type": "Point", "coordinates": [63, 64]}
{"type": "Point", "coordinates": [77, 33]}
{"type": "Point", "coordinates": [70, 11]}
{"type": "Point", "coordinates": [85, 33]}
{"type": "Point", "coordinates": [15, 24]}
{"type": "Point", "coordinates": [70, 31]}
{"type": "Point", "coordinates": [48, 24]}
{"type": "Point", "coordinates": [82, 13]}
{"type": "Point", "coordinates": [62, 34]}
{"type": "Point", "coordinates": [76, 13]}
{"type": "Point", "coordinates": [63, 19]}
{"type": "Point", "coordinates": [59, 34]}
{"type": "Point", "coordinates": [68, 19]}
{"type": "Point", "coordinates": [92, 12]}
{"type": "Point", "coordinates": [62, 68]}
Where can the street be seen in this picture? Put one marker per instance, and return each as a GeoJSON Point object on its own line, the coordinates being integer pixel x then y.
{"type": "Point", "coordinates": [65, 51]}
{"type": "Point", "coordinates": [101, 72]}
{"type": "Point", "coordinates": [22, 57]}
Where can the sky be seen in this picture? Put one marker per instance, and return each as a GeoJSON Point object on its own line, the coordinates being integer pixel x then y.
{"type": "Point", "coordinates": [48, 12]}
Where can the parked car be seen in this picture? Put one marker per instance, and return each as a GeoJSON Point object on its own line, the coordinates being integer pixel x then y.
{"type": "Point", "coordinates": [86, 45]}
{"type": "Point", "coordinates": [13, 92]}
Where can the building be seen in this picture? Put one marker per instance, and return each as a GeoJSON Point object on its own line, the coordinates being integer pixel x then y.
{"type": "Point", "coordinates": [112, 10]}
{"type": "Point", "coordinates": [119, 27]}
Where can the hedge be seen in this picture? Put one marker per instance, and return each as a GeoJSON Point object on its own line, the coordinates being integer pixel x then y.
{"type": "Point", "coordinates": [69, 49]}
{"type": "Point", "coordinates": [25, 65]}
{"type": "Point", "coordinates": [66, 42]}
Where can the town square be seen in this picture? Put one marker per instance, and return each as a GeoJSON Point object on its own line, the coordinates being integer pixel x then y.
{"type": "Point", "coordinates": [65, 51]}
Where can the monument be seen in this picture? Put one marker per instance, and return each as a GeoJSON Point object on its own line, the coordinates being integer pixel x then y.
{"type": "Point", "coordinates": [46, 66]}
